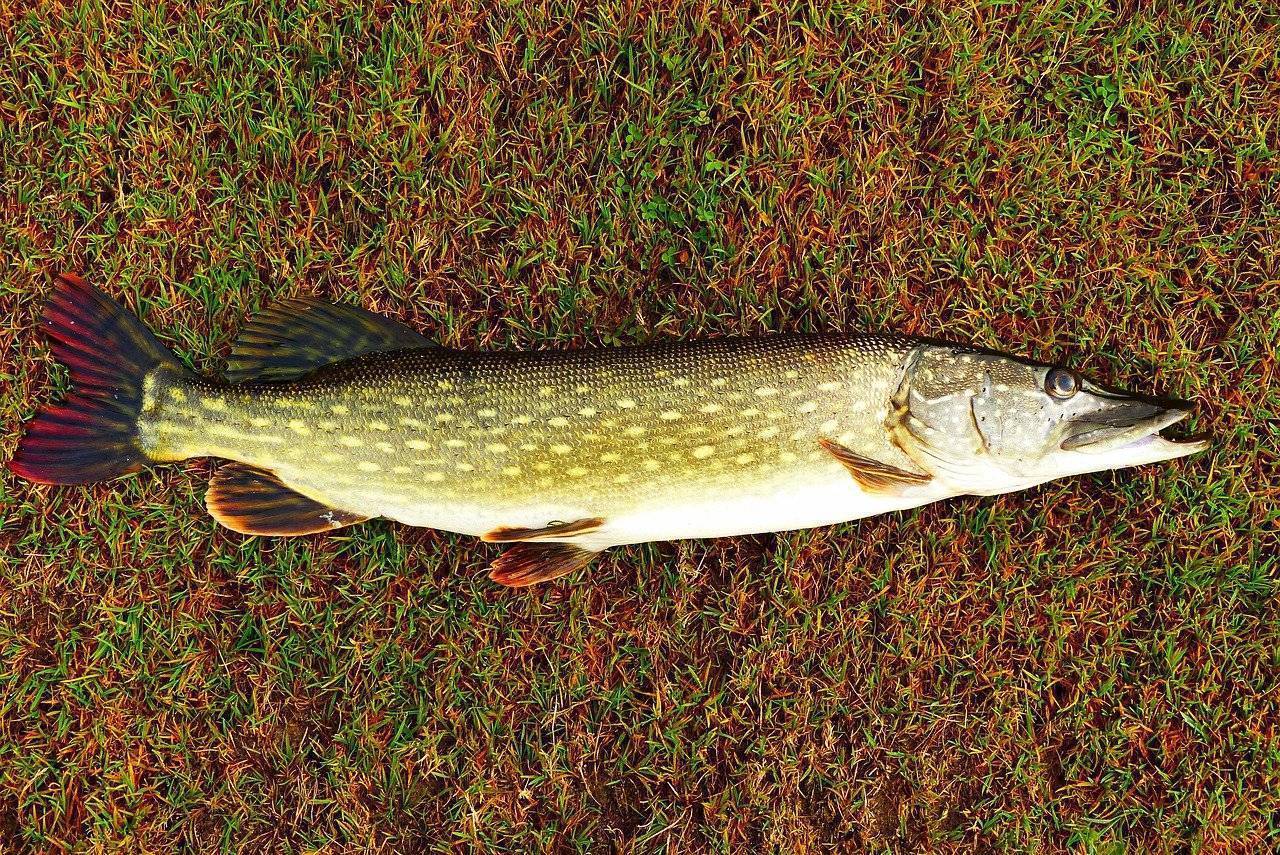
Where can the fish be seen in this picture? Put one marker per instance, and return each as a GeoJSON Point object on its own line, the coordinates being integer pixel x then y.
{"type": "Point", "coordinates": [330, 415]}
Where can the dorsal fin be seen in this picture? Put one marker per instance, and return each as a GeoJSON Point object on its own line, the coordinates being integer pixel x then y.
{"type": "Point", "coordinates": [294, 337]}
{"type": "Point", "coordinates": [254, 501]}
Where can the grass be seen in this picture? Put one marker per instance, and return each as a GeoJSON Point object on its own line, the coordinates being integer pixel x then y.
{"type": "Point", "coordinates": [1089, 666]}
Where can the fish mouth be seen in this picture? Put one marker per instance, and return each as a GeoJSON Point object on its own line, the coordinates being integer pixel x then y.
{"type": "Point", "coordinates": [1136, 424]}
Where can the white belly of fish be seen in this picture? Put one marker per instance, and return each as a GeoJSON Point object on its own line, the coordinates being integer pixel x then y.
{"type": "Point", "coordinates": [823, 496]}
{"type": "Point", "coordinates": [818, 502]}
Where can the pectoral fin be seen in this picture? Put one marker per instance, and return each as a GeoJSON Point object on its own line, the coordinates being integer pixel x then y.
{"type": "Point", "coordinates": [529, 563]}
{"type": "Point", "coordinates": [872, 475]}
{"type": "Point", "coordinates": [254, 501]}
{"type": "Point", "coordinates": [555, 531]}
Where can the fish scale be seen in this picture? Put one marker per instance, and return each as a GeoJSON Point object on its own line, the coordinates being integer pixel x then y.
{"type": "Point", "coordinates": [332, 415]}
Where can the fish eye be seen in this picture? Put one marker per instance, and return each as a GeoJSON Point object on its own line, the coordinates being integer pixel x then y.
{"type": "Point", "coordinates": [1061, 382]}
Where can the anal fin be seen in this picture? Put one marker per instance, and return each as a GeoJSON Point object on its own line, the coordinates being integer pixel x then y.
{"type": "Point", "coordinates": [872, 475]}
{"type": "Point", "coordinates": [555, 531]}
{"type": "Point", "coordinates": [529, 563]}
{"type": "Point", "coordinates": [254, 501]}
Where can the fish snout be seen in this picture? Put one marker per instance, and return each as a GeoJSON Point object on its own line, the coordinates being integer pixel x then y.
{"type": "Point", "coordinates": [1127, 419]}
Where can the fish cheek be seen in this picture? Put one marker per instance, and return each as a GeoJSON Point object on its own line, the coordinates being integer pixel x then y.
{"type": "Point", "coordinates": [932, 419]}
{"type": "Point", "coordinates": [948, 424]}
{"type": "Point", "coordinates": [987, 414]}
{"type": "Point", "coordinates": [1019, 430]}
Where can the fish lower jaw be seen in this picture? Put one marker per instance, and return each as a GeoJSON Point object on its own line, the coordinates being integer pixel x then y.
{"type": "Point", "coordinates": [1156, 448]}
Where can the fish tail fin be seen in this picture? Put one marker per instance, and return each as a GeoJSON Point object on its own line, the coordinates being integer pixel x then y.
{"type": "Point", "coordinates": [93, 434]}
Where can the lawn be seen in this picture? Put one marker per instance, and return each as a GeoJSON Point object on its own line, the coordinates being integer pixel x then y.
{"type": "Point", "coordinates": [1092, 666]}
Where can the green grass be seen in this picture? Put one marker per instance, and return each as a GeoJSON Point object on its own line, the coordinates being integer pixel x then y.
{"type": "Point", "coordinates": [1089, 666]}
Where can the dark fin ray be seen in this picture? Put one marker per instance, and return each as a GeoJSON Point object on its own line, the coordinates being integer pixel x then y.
{"type": "Point", "coordinates": [529, 563]}
{"type": "Point", "coordinates": [547, 532]}
{"type": "Point", "coordinates": [83, 440]}
{"type": "Point", "coordinates": [92, 435]}
{"type": "Point", "coordinates": [292, 338]}
{"type": "Point", "coordinates": [253, 501]}
{"type": "Point", "coordinates": [872, 475]}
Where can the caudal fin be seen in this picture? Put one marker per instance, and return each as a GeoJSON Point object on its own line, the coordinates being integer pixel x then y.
{"type": "Point", "coordinates": [92, 435]}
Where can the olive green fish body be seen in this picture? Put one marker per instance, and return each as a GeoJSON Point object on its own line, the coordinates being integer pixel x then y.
{"type": "Point", "coordinates": [686, 439]}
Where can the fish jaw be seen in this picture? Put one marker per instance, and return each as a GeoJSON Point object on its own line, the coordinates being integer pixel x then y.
{"type": "Point", "coordinates": [1144, 450]}
{"type": "Point", "coordinates": [1133, 440]}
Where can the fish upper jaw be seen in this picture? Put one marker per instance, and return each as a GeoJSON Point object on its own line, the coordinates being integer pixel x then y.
{"type": "Point", "coordinates": [1120, 421]}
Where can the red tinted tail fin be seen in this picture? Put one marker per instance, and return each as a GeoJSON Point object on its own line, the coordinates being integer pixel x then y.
{"type": "Point", "coordinates": [92, 435]}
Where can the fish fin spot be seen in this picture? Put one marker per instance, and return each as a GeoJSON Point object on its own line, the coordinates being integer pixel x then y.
{"type": "Point", "coordinates": [529, 563]}
{"type": "Point", "coordinates": [554, 531]}
{"type": "Point", "coordinates": [294, 337]}
{"type": "Point", "coordinates": [872, 475]}
{"type": "Point", "coordinates": [254, 501]}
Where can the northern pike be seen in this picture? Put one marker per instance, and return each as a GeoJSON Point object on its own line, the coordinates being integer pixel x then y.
{"type": "Point", "coordinates": [332, 415]}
